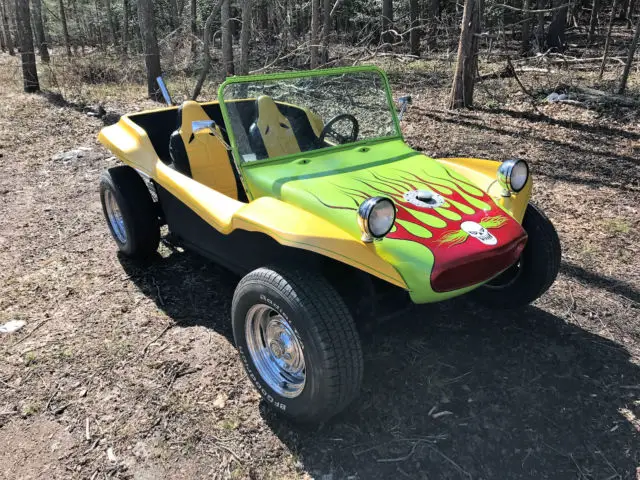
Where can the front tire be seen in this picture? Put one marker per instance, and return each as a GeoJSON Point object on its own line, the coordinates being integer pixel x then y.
{"type": "Point", "coordinates": [298, 342]}
{"type": "Point", "coordinates": [130, 212]}
{"type": "Point", "coordinates": [533, 274]}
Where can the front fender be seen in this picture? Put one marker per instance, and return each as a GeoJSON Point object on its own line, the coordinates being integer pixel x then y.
{"type": "Point", "coordinates": [483, 173]}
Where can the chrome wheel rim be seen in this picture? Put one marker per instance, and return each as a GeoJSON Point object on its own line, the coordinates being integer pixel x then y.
{"type": "Point", "coordinates": [114, 215]}
{"type": "Point", "coordinates": [276, 351]}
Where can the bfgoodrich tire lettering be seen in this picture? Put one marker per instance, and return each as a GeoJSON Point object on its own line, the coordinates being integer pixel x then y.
{"type": "Point", "coordinates": [323, 327]}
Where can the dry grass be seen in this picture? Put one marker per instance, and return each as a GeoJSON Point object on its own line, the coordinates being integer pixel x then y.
{"type": "Point", "coordinates": [129, 372]}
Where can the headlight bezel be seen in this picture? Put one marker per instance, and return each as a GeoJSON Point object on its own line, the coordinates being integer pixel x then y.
{"type": "Point", "coordinates": [505, 174]}
{"type": "Point", "coordinates": [365, 211]}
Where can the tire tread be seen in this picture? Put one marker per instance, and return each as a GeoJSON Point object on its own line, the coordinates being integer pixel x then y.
{"type": "Point", "coordinates": [334, 327]}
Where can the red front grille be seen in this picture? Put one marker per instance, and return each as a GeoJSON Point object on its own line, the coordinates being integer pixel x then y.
{"type": "Point", "coordinates": [472, 269]}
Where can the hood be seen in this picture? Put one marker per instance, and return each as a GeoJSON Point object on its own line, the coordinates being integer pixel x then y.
{"type": "Point", "coordinates": [448, 235]}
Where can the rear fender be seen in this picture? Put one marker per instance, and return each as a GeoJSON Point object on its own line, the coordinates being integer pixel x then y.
{"type": "Point", "coordinates": [131, 144]}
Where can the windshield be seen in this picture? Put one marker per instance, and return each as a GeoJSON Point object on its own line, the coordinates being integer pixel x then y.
{"type": "Point", "coordinates": [278, 116]}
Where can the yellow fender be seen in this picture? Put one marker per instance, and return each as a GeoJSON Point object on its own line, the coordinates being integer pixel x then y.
{"type": "Point", "coordinates": [287, 224]}
{"type": "Point", "coordinates": [484, 173]}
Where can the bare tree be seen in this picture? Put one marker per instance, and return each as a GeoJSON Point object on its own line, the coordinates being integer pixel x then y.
{"type": "Point", "coordinates": [627, 67]}
{"type": "Point", "coordinates": [466, 66]}
{"type": "Point", "coordinates": [432, 21]}
{"type": "Point", "coordinates": [40, 34]}
{"type": "Point", "coordinates": [65, 27]}
{"type": "Point", "coordinates": [525, 41]}
{"type": "Point", "coordinates": [27, 54]}
{"type": "Point", "coordinates": [98, 24]}
{"type": "Point", "coordinates": [206, 36]}
{"type": "Point", "coordinates": [539, 34]}
{"type": "Point", "coordinates": [593, 21]}
{"type": "Point", "coordinates": [414, 34]}
{"type": "Point", "coordinates": [174, 17]}
{"type": "Point", "coordinates": [608, 39]}
{"type": "Point", "coordinates": [150, 46]}
{"type": "Point", "coordinates": [227, 37]}
{"type": "Point", "coordinates": [387, 21]}
{"type": "Point", "coordinates": [194, 25]}
{"type": "Point", "coordinates": [8, 40]}
{"type": "Point", "coordinates": [326, 27]}
{"type": "Point", "coordinates": [629, 11]}
{"type": "Point", "coordinates": [556, 37]}
{"type": "Point", "coordinates": [315, 26]}
{"type": "Point", "coordinates": [112, 23]}
{"type": "Point", "coordinates": [245, 36]}
{"type": "Point", "coordinates": [125, 26]}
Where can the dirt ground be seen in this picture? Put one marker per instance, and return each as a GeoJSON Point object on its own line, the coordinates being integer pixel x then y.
{"type": "Point", "coordinates": [128, 371]}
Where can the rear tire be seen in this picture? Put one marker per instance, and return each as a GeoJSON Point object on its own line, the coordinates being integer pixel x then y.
{"type": "Point", "coordinates": [534, 273]}
{"type": "Point", "coordinates": [311, 367]}
{"type": "Point", "coordinates": [130, 212]}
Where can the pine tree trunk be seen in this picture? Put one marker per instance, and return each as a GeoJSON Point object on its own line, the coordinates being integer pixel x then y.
{"type": "Point", "coordinates": [326, 28]}
{"type": "Point", "coordinates": [627, 67]}
{"type": "Point", "coordinates": [245, 36]}
{"type": "Point", "coordinates": [3, 46]}
{"type": "Point", "coordinates": [315, 26]}
{"type": "Point", "coordinates": [227, 38]}
{"type": "Point", "coordinates": [593, 21]}
{"type": "Point", "coordinates": [387, 21]}
{"type": "Point", "coordinates": [27, 54]}
{"type": "Point", "coordinates": [414, 35]}
{"type": "Point", "coordinates": [39, 31]}
{"type": "Point", "coordinates": [65, 28]}
{"type": "Point", "coordinates": [525, 42]}
{"type": "Point", "coordinates": [464, 78]}
{"type": "Point", "coordinates": [150, 45]}
{"type": "Point", "coordinates": [8, 39]}
{"type": "Point", "coordinates": [125, 27]}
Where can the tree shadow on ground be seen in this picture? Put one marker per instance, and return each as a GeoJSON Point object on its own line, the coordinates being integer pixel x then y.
{"type": "Point", "coordinates": [450, 391]}
{"type": "Point", "coordinates": [569, 124]}
{"type": "Point", "coordinates": [518, 134]}
{"type": "Point", "coordinates": [609, 284]}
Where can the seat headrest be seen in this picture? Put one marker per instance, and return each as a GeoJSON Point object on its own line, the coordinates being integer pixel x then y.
{"type": "Point", "coordinates": [191, 111]}
{"type": "Point", "coordinates": [268, 111]}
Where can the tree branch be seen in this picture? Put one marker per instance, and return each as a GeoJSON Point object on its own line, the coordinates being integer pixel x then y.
{"type": "Point", "coordinates": [206, 38]}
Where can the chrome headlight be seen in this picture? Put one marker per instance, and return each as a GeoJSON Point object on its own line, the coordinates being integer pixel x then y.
{"type": "Point", "coordinates": [513, 175]}
{"type": "Point", "coordinates": [376, 217]}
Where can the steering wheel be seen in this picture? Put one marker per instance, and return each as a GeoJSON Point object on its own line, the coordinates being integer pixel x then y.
{"type": "Point", "coordinates": [329, 130]}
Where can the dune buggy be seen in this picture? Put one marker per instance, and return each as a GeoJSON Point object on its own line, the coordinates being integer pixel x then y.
{"type": "Point", "coordinates": [302, 183]}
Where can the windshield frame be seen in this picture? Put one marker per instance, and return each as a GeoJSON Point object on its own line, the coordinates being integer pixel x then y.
{"type": "Point", "coordinates": [302, 74]}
